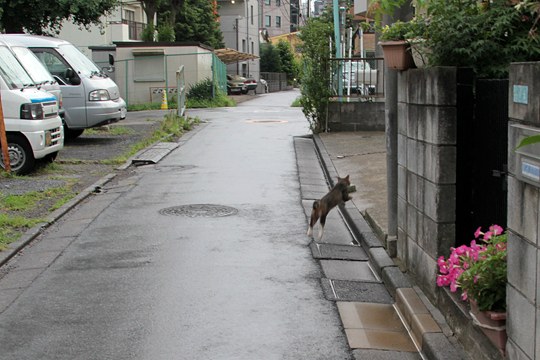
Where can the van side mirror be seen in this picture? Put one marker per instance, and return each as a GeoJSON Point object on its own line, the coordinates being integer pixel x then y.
{"type": "Point", "coordinates": [71, 77]}
{"type": "Point", "coordinates": [111, 59]}
{"type": "Point", "coordinates": [75, 80]}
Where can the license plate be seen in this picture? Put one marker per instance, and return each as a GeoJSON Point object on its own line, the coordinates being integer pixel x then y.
{"type": "Point", "coordinates": [48, 138]}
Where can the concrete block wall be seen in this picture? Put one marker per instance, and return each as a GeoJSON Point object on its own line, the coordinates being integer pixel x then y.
{"type": "Point", "coordinates": [523, 289]}
{"type": "Point", "coordinates": [356, 116]}
{"type": "Point", "coordinates": [427, 123]}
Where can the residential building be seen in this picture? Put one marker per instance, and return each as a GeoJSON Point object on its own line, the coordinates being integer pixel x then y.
{"type": "Point", "coordinates": [276, 16]}
{"type": "Point", "coordinates": [240, 22]}
{"type": "Point", "coordinates": [125, 23]}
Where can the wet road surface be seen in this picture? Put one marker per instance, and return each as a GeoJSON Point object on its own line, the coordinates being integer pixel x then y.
{"type": "Point", "coordinates": [202, 256]}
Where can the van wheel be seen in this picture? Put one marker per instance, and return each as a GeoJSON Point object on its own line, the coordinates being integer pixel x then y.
{"type": "Point", "coordinates": [71, 134]}
{"type": "Point", "coordinates": [21, 156]}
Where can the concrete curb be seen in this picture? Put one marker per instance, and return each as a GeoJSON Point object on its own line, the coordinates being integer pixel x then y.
{"type": "Point", "coordinates": [417, 318]}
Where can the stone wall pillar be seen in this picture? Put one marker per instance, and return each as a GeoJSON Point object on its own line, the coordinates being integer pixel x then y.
{"type": "Point", "coordinates": [427, 136]}
{"type": "Point", "coordinates": [523, 289]}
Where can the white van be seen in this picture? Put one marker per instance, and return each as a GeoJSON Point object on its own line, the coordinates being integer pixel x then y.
{"type": "Point", "coordinates": [35, 68]}
{"type": "Point", "coordinates": [90, 97]}
{"type": "Point", "coordinates": [33, 128]}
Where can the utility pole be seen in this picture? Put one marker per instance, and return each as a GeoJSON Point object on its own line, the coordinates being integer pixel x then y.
{"type": "Point", "coordinates": [3, 140]}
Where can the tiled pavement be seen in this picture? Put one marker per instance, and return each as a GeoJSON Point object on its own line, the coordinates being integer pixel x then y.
{"type": "Point", "coordinates": [382, 314]}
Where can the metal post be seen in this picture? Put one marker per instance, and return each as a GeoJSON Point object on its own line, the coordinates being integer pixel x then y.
{"type": "Point", "coordinates": [337, 40]}
{"type": "Point", "coordinates": [390, 117]}
{"type": "Point", "coordinates": [237, 49]}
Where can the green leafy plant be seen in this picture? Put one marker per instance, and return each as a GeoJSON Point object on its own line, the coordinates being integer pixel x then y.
{"type": "Point", "coordinates": [396, 31]}
{"type": "Point", "coordinates": [486, 36]}
{"type": "Point", "coordinates": [529, 140]}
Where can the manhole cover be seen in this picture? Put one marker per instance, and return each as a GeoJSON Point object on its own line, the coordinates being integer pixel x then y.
{"type": "Point", "coordinates": [200, 210]}
{"type": "Point", "coordinates": [266, 121]}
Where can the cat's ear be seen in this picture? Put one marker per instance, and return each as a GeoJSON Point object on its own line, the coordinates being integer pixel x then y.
{"type": "Point", "coordinates": [346, 178]}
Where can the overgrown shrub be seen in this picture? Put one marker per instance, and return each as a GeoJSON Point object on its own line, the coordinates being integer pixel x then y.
{"type": "Point", "coordinates": [202, 90]}
{"type": "Point", "coordinates": [165, 33]}
{"type": "Point", "coordinates": [316, 71]}
{"type": "Point", "coordinates": [148, 33]}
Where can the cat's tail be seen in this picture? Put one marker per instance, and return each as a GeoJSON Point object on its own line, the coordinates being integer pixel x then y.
{"type": "Point", "coordinates": [316, 204]}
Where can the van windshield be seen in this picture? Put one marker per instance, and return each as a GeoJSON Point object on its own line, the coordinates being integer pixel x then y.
{"type": "Point", "coordinates": [12, 71]}
{"type": "Point", "coordinates": [31, 63]}
{"type": "Point", "coordinates": [79, 61]}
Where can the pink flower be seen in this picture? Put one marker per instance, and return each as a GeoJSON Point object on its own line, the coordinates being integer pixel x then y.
{"type": "Point", "coordinates": [443, 280]}
{"type": "Point", "coordinates": [478, 232]}
{"type": "Point", "coordinates": [496, 229]}
{"type": "Point", "coordinates": [464, 296]}
{"type": "Point", "coordinates": [488, 235]}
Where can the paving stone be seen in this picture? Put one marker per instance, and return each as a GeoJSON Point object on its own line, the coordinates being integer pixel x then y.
{"type": "Point", "coordinates": [343, 290]}
{"type": "Point", "coordinates": [347, 270]}
{"type": "Point", "coordinates": [366, 354]}
{"type": "Point", "coordinates": [337, 252]}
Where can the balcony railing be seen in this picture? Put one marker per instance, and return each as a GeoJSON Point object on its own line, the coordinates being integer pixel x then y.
{"type": "Point", "coordinates": [361, 78]}
{"type": "Point", "coordinates": [135, 29]}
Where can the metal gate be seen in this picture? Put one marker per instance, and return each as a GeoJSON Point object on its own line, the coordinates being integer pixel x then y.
{"type": "Point", "coordinates": [481, 191]}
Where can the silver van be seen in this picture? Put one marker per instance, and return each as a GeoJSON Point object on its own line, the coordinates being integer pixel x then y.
{"type": "Point", "coordinates": [90, 97]}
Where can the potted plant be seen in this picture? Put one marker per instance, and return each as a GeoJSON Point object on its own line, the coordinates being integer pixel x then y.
{"type": "Point", "coordinates": [416, 37]}
{"type": "Point", "coordinates": [479, 270]}
{"type": "Point", "coordinates": [395, 47]}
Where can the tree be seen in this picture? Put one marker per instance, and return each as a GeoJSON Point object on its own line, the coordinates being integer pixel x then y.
{"type": "Point", "coordinates": [150, 8]}
{"type": "Point", "coordinates": [42, 17]}
{"type": "Point", "coordinates": [194, 20]}
{"type": "Point", "coordinates": [288, 62]}
{"type": "Point", "coordinates": [270, 59]}
{"type": "Point", "coordinates": [315, 55]}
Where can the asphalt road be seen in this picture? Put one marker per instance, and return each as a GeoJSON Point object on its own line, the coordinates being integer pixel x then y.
{"type": "Point", "coordinates": [202, 256]}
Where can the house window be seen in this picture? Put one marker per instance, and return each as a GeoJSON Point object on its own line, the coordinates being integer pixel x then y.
{"type": "Point", "coordinates": [149, 66]}
{"type": "Point", "coordinates": [251, 16]}
{"type": "Point", "coordinates": [278, 21]}
{"type": "Point", "coordinates": [278, 2]}
{"type": "Point", "coordinates": [132, 26]}
{"type": "Point", "coordinates": [267, 20]}
{"type": "Point", "coordinates": [243, 45]}
{"type": "Point", "coordinates": [267, 2]}
{"type": "Point", "coordinates": [252, 48]}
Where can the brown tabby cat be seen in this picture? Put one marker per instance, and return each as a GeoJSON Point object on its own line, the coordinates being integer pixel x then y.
{"type": "Point", "coordinates": [321, 208]}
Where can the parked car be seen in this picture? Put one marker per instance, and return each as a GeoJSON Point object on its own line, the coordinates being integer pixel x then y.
{"type": "Point", "coordinates": [251, 84]}
{"type": "Point", "coordinates": [264, 84]}
{"type": "Point", "coordinates": [236, 85]}
{"type": "Point", "coordinates": [359, 77]}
